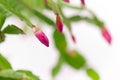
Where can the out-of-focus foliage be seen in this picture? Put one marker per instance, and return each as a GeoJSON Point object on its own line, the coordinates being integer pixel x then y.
{"type": "Point", "coordinates": [27, 9]}
{"type": "Point", "coordinates": [12, 29]}
{"type": "Point", "coordinates": [93, 74]}
{"type": "Point", "coordinates": [73, 58]}
{"type": "Point", "coordinates": [4, 64]}
{"type": "Point", "coordinates": [7, 73]}
{"type": "Point", "coordinates": [60, 41]}
{"type": "Point", "coordinates": [58, 66]}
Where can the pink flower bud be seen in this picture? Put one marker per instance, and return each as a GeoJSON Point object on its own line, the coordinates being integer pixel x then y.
{"type": "Point", "coordinates": [42, 37]}
{"type": "Point", "coordinates": [106, 35]}
{"type": "Point", "coordinates": [59, 23]}
{"type": "Point", "coordinates": [66, 1]}
{"type": "Point", "coordinates": [83, 2]}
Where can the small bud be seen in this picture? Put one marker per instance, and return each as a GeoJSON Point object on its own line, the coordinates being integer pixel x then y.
{"type": "Point", "coordinates": [106, 35]}
{"type": "Point", "coordinates": [83, 3]}
{"type": "Point", "coordinates": [59, 23]}
{"type": "Point", "coordinates": [41, 37]}
{"type": "Point", "coordinates": [66, 1]}
{"type": "Point", "coordinates": [73, 38]}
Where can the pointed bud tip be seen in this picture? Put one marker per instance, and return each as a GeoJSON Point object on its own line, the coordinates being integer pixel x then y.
{"type": "Point", "coordinates": [42, 37]}
{"type": "Point", "coordinates": [47, 45]}
{"type": "Point", "coordinates": [66, 1]}
{"type": "Point", "coordinates": [83, 3]}
{"type": "Point", "coordinates": [73, 38]}
{"type": "Point", "coordinates": [59, 23]}
{"type": "Point", "coordinates": [106, 35]}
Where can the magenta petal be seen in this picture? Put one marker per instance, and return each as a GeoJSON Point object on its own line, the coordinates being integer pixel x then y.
{"type": "Point", "coordinates": [42, 37]}
{"type": "Point", "coordinates": [66, 1]}
{"type": "Point", "coordinates": [83, 2]}
{"type": "Point", "coordinates": [106, 35]}
{"type": "Point", "coordinates": [59, 23]}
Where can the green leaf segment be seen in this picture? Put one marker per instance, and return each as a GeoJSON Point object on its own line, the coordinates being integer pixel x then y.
{"type": "Point", "coordinates": [7, 73]}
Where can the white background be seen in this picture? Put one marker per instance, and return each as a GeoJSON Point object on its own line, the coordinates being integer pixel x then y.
{"type": "Point", "coordinates": [26, 52]}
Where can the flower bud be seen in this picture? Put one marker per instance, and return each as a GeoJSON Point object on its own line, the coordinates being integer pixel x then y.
{"type": "Point", "coordinates": [41, 37]}
{"type": "Point", "coordinates": [106, 35]}
{"type": "Point", "coordinates": [83, 3]}
{"type": "Point", "coordinates": [73, 38]}
{"type": "Point", "coordinates": [66, 1]}
{"type": "Point", "coordinates": [59, 23]}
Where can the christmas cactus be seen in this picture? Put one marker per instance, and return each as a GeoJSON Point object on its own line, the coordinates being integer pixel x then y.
{"type": "Point", "coordinates": [27, 9]}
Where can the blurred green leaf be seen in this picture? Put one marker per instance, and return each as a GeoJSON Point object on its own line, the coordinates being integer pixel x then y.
{"type": "Point", "coordinates": [3, 15]}
{"type": "Point", "coordinates": [4, 12]}
{"type": "Point", "coordinates": [58, 66]}
{"type": "Point", "coordinates": [81, 18]}
{"type": "Point", "coordinates": [92, 74]}
{"type": "Point", "coordinates": [1, 78]}
{"type": "Point", "coordinates": [29, 74]}
{"type": "Point", "coordinates": [97, 21]}
{"type": "Point", "coordinates": [14, 4]}
{"type": "Point", "coordinates": [34, 4]}
{"type": "Point", "coordinates": [2, 20]}
{"type": "Point", "coordinates": [60, 41]}
{"type": "Point", "coordinates": [53, 6]}
{"type": "Point", "coordinates": [75, 18]}
{"type": "Point", "coordinates": [10, 74]}
{"type": "Point", "coordinates": [4, 64]}
{"type": "Point", "coordinates": [67, 23]}
{"type": "Point", "coordinates": [93, 20]}
{"type": "Point", "coordinates": [44, 18]}
{"type": "Point", "coordinates": [2, 37]}
{"type": "Point", "coordinates": [12, 29]}
{"type": "Point", "coordinates": [74, 59]}
{"type": "Point", "coordinates": [13, 11]}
